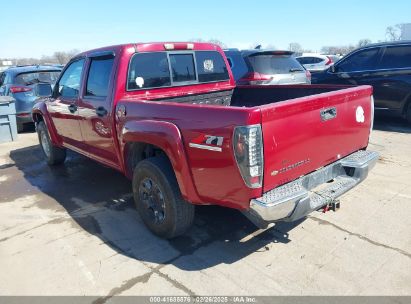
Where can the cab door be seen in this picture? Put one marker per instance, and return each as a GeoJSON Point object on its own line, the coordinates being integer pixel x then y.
{"type": "Point", "coordinates": [394, 82]}
{"type": "Point", "coordinates": [359, 68]}
{"type": "Point", "coordinates": [63, 106]}
{"type": "Point", "coordinates": [95, 108]}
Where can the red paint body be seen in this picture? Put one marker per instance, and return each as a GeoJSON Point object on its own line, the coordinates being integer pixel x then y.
{"type": "Point", "coordinates": [292, 130]}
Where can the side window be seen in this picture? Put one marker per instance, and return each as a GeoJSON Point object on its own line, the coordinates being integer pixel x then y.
{"type": "Point", "coordinates": [302, 60]}
{"type": "Point", "coordinates": [69, 84]}
{"type": "Point", "coordinates": [2, 77]}
{"type": "Point", "coordinates": [309, 60]}
{"type": "Point", "coordinates": [182, 67]}
{"type": "Point", "coordinates": [230, 62]}
{"type": "Point", "coordinates": [99, 76]}
{"type": "Point", "coordinates": [148, 70]}
{"type": "Point", "coordinates": [7, 78]}
{"type": "Point", "coordinates": [396, 57]}
{"type": "Point", "coordinates": [211, 66]}
{"type": "Point", "coordinates": [239, 68]}
{"type": "Point", "coordinates": [361, 61]}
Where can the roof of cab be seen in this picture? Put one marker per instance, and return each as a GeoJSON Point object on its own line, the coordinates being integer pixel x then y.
{"type": "Point", "coordinates": [387, 43]}
{"type": "Point", "coordinates": [152, 47]}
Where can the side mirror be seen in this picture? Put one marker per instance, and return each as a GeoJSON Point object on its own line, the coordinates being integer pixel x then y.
{"type": "Point", "coordinates": [43, 90]}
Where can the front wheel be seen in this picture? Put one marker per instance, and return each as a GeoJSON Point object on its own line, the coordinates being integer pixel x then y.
{"type": "Point", "coordinates": [158, 198]}
{"type": "Point", "coordinates": [54, 155]}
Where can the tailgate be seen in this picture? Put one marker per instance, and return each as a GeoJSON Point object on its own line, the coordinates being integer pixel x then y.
{"type": "Point", "coordinates": [304, 134]}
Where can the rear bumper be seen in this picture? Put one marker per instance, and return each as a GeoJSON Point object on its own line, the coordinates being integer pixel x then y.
{"type": "Point", "coordinates": [313, 191]}
{"type": "Point", "coordinates": [23, 118]}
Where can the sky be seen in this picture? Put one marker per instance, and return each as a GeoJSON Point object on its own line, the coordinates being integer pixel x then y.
{"type": "Point", "coordinates": [41, 27]}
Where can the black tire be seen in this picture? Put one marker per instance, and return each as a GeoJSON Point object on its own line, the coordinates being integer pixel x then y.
{"type": "Point", "coordinates": [174, 215]}
{"type": "Point", "coordinates": [54, 155]}
{"type": "Point", "coordinates": [20, 127]}
{"type": "Point", "coordinates": [408, 113]}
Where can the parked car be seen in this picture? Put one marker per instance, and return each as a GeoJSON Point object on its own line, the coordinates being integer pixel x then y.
{"type": "Point", "coordinates": [316, 62]}
{"type": "Point", "coordinates": [20, 83]}
{"type": "Point", "coordinates": [386, 66]}
{"type": "Point", "coordinates": [169, 116]}
{"type": "Point", "coordinates": [335, 58]}
{"type": "Point", "coordinates": [266, 67]}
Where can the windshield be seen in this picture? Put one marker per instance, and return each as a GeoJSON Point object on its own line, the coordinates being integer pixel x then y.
{"type": "Point", "coordinates": [37, 77]}
{"type": "Point", "coordinates": [278, 64]}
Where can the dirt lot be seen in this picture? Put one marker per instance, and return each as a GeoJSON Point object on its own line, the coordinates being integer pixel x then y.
{"type": "Point", "coordinates": [72, 230]}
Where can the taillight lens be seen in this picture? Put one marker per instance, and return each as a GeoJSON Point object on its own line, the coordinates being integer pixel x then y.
{"type": "Point", "coordinates": [20, 89]}
{"type": "Point", "coordinates": [329, 61]}
{"type": "Point", "coordinates": [308, 75]}
{"type": "Point", "coordinates": [372, 113]}
{"type": "Point", "coordinates": [248, 151]}
{"type": "Point", "coordinates": [254, 78]}
{"type": "Point", "coordinates": [178, 46]}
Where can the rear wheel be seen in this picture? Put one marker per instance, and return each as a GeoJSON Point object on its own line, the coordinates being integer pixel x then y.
{"type": "Point", "coordinates": [54, 155]}
{"type": "Point", "coordinates": [158, 198]}
{"type": "Point", "coordinates": [20, 127]}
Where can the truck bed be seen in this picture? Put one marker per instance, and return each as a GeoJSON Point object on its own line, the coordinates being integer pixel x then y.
{"type": "Point", "coordinates": [296, 140]}
{"type": "Point", "coordinates": [252, 96]}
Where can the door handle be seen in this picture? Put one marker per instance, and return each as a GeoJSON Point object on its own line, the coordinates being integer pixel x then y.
{"type": "Point", "coordinates": [328, 114]}
{"type": "Point", "coordinates": [344, 75]}
{"type": "Point", "coordinates": [101, 111]}
{"type": "Point", "coordinates": [72, 108]}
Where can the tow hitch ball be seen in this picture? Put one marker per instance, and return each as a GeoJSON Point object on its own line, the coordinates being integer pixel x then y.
{"type": "Point", "coordinates": [334, 205]}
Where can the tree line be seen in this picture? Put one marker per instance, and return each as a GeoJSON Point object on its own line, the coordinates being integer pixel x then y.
{"type": "Point", "coordinates": [61, 57]}
{"type": "Point", "coordinates": [392, 33]}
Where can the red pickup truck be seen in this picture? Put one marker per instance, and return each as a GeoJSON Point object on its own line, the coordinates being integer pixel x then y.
{"type": "Point", "coordinates": [169, 116]}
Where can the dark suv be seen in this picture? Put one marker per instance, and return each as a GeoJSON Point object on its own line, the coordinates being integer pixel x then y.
{"type": "Point", "coordinates": [20, 83]}
{"type": "Point", "coordinates": [385, 66]}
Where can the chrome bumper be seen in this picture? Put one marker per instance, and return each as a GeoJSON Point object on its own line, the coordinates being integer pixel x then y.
{"type": "Point", "coordinates": [313, 191]}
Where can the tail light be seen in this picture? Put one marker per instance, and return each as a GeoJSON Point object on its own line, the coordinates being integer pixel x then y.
{"type": "Point", "coordinates": [248, 152]}
{"type": "Point", "coordinates": [329, 61]}
{"type": "Point", "coordinates": [308, 75]}
{"type": "Point", "coordinates": [254, 78]}
{"type": "Point", "coordinates": [372, 113]}
{"type": "Point", "coordinates": [20, 89]}
{"type": "Point", "coordinates": [178, 46]}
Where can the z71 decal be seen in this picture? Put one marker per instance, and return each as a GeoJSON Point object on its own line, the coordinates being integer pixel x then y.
{"type": "Point", "coordinates": [207, 142]}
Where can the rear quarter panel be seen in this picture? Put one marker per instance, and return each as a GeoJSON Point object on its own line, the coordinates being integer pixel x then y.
{"type": "Point", "coordinates": [214, 175]}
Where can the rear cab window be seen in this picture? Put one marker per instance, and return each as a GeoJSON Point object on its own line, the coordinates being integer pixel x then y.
{"type": "Point", "coordinates": [211, 67]}
{"type": "Point", "coordinates": [166, 69]}
{"type": "Point", "coordinates": [182, 67]}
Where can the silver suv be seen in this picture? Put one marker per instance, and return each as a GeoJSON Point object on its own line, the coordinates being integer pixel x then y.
{"type": "Point", "coordinates": [266, 67]}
